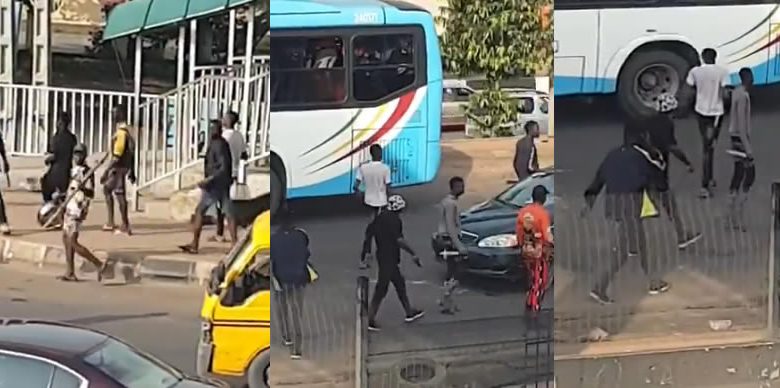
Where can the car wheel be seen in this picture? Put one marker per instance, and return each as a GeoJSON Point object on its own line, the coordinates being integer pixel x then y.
{"type": "Point", "coordinates": [258, 373]}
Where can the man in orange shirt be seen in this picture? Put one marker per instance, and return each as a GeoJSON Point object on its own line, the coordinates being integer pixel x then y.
{"type": "Point", "coordinates": [534, 237]}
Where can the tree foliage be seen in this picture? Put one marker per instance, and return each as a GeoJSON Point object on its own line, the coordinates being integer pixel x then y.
{"type": "Point", "coordinates": [498, 39]}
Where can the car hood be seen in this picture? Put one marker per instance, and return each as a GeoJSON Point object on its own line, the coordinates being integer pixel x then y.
{"type": "Point", "coordinates": [491, 218]}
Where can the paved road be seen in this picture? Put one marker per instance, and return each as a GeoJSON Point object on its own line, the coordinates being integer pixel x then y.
{"type": "Point", "coordinates": [159, 318]}
{"type": "Point", "coordinates": [726, 269]}
{"type": "Point", "coordinates": [335, 226]}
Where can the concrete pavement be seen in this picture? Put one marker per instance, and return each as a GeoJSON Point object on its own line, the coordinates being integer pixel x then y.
{"type": "Point", "coordinates": [335, 227]}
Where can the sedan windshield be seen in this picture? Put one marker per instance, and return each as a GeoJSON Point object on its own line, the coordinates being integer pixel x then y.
{"type": "Point", "coordinates": [519, 195]}
{"type": "Point", "coordinates": [131, 368]}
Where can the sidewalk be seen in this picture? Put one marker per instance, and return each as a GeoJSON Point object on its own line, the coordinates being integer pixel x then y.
{"type": "Point", "coordinates": [151, 252]}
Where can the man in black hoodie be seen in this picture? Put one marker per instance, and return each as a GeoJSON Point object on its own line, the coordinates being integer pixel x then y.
{"type": "Point", "coordinates": [626, 172]}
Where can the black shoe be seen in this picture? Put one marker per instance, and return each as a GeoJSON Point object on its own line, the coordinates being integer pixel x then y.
{"type": "Point", "coordinates": [689, 240]}
{"type": "Point", "coordinates": [287, 342]}
{"type": "Point", "coordinates": [372, 326]}
{"type": "Point", "coordinates": [659, 288]}
{"type": "Point", "coordinates": [601, 297]}
{"type": "Point", "coordinates": [415, 315]}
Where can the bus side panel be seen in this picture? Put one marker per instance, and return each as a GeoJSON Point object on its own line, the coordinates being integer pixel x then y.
{"type": "Point", "coordinates": [576, 51]}
{"type": "Point", "coordinates": [429, 156]}
{"type": "Point", "coordinates": [399, 126]}
{"type": "Point", "coordinates": [315, 148]}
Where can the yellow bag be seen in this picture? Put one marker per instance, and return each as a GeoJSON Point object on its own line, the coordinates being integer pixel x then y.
{"type": "Point", "coordinates": [313, 275]}
{"type": "Point", "coordinates": [648, 207]}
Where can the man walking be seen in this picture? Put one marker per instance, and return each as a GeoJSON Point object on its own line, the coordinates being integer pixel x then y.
{"type": "Point", "coordinates": [447, 235]}
{"type": "Point", "coordinates": [387, 231]}
{"type": "Point", "coordinates": [375, 176]}
{"type": "Point", "coordinates": [663, 139]}
{"type": "Point", "coordinates": [626, 172]}
{"type": "Point", "coordinates": [290, 267]}
{"type": "Point", "coordinates": [744, 174]}
{"type": "Point", "coordinates": [215, 188]}
{"type": "Point", "coordinates": [121, 167]}
{"type": "Point", "coordinates": [710, 81]}
{"type": "Point", "coordinates": [59, 159]}
{"type": "Point", "coordinates": [238, 152]}
{"type": "Point", "coordinates": [526, 160]}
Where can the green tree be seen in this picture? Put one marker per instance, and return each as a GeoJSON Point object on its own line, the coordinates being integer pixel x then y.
{"type": "Point", "coordinates": [497, 39]}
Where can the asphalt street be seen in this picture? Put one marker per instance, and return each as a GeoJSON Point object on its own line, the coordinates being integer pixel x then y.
{"type": "Point", "coordinates": [159, 318]}
{"type": "Point", "coordinates": [335, 226]}
{"type": "Point", "coordinates": [722, 276]}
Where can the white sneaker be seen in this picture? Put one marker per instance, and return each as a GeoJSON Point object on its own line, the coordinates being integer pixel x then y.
{"type": "Point", "coordinates": [5, 229]}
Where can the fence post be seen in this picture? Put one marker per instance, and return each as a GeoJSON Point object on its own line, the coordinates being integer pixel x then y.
{"type": "Point", "coordinates": [772, 271]}
{"type": "Point", "coordinates": [361, 332]}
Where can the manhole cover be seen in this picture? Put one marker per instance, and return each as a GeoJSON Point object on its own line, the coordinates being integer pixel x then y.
{"type": "Point", "coordinates": [418, 371]}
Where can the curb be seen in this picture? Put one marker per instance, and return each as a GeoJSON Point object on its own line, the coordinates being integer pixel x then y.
{"type": "Point", "coordinates": [133, 268]}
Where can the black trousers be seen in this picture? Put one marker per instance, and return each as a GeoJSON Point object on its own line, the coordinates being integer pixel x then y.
{"type": "Point", "coordinates": [665, 199]}
{"type": "Point", "coordinates": [709, 129]}
{"type": "Point", "coordinates": [290, 304]}
{"type": "Point", "coordinates": [366, 247]}
{"type": "Point", "coordinates": [389, 273]}
{"type": "Point", "coordinates": [744, 174]}
{"type": "Point", "coordinates": [622, 234]}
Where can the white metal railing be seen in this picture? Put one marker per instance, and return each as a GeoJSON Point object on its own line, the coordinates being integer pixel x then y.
{"type": "Point", "coordinates": [173, 126]}
{"type": "Point", "coordinates": [28, 116]}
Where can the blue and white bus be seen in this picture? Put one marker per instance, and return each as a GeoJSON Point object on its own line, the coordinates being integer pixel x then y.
{"type": "Point", "coordinates": [641, 48]}
{"type": "Point", "coordinates": [346, 74]}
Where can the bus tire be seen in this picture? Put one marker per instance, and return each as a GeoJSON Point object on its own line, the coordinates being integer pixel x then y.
{"type": "Point", "coordinates": [278, 191]}
{"type": "Point", "coordinates": [259, 371]}
{"type": "Point", "coordinates": [628, 91]}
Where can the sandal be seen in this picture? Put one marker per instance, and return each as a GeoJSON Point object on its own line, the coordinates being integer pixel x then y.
{"type": "Point", "coordinates": [108, 228]}
{"type": "Point", "coordinates": [189, 249]}
{"type": "Point", "coordinates": [67, 278]}
{"type": "Point", "coordinates": [102, 271]}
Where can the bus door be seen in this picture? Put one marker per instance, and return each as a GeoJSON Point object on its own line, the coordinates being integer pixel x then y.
{"type": "Point", "coordinates": [385, 76]}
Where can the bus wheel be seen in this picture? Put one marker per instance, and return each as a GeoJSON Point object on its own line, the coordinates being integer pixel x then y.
{"type": "Point", "coordinates": [258, 373]}
{"type": "Point", "coordinates": [277, 191]}
{"type": "Point", "coordinates": [648, 74]}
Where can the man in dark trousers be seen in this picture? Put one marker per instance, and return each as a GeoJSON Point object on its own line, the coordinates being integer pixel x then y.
{"type": "Point", "coordinates": [59, 158]}
{"type": "Point", "coordinates": [744, 174]}
{"type": "Point", "coordinates": [388, 232]}
{"type": "Point", "coordinates": [5, 229]}
{"type": "Point", "coordinates": [526, 157]}
{"type": "Point", "coordinates": [663, 139]}
{"type": "Point", "coordinates": [290, 267]}
{"type": "Point", "coordinates": [215, 188]}
{"type": "Point", "coordinates": [626, 172]}
{"type": "Point", "coordinates": [121, 168]}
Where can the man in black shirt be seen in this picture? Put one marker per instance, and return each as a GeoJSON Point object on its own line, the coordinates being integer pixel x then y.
{"type": "Point", "coordinates": [387, 231]}
{"type": "Point", "coordinates": [215, 188]}
{"type": "Point", "coordinates": [526, 157]}
{"type": "Point", "coordinates": [662, 138]}
{"type": "Point", "coordinates": [626, 173]}
{"type": "Point", "coordinates": [59, 159]}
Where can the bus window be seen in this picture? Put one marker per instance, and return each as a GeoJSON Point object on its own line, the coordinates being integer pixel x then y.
{"type": "Point", "coordinates": [383, 65]}
{"type": "Point", "coordinates": [307, 70]}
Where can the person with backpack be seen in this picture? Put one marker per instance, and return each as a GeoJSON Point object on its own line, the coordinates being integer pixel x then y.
{"type": "Point", "coordinates": [664, 143]}
{"type": "Point", "coordinates": [121, 168]}
{"type": "Point", "coordinates": [710, 81]}
{"type": "Point", "coordinates": [535, 238]}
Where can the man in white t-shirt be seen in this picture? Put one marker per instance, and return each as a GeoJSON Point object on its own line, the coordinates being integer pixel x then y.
{"type": "Point", "coordinates": [375, 177]}
{"type": "Point", "coordinates": [238, 152]}
{"type": "Point", "coordinates": [710, 81]}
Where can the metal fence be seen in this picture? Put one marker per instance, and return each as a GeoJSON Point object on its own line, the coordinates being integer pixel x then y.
{"type": "Point", "coordinates": [509, 351]}
{"type": "Point", "coordinates": [719, 283]}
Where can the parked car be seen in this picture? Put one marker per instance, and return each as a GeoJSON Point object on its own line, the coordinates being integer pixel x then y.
{"type": "Point", "coordinates": [42, 354]}
{"type": "Point", "coordinates": [533, 106]}
{"type": "Point", "coordinates": [488, 229]}
{"type": "Point", "coordinates": [455, 99]}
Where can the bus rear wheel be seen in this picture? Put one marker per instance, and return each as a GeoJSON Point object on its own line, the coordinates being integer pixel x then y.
{"type": "Point", "coordinates": [648, 74]}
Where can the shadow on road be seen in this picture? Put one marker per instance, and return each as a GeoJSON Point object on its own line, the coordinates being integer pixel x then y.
{"type": "Point", "coordinates": [113, 318]}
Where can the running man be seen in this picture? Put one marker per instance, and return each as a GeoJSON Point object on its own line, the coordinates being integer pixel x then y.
{"type": "Point", "coordinates": [388, 232]}
{"type": "Point", "coordinates": [744, 174]}
{"type": "Point", "coordinates": [120, 168]}
{"type": "Point", "coordinates": [238, 152]}
{"type": "Point", "coordinates": [710, 81]}
{"type": "Point", "coordinates": [375, 176]}
{"type": "Point", "coordinates": [82, 191]}
{"type": "Point", "coordinates": [526, 160]}
{"type": "Point", "coordinates": [215, 187]}
{"type": "Point", "coordinates": [626, 172]}
{"type": "Point", "coordinates": [534, 235]}
{"type": "Point", "coordinates": [663, 139]}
